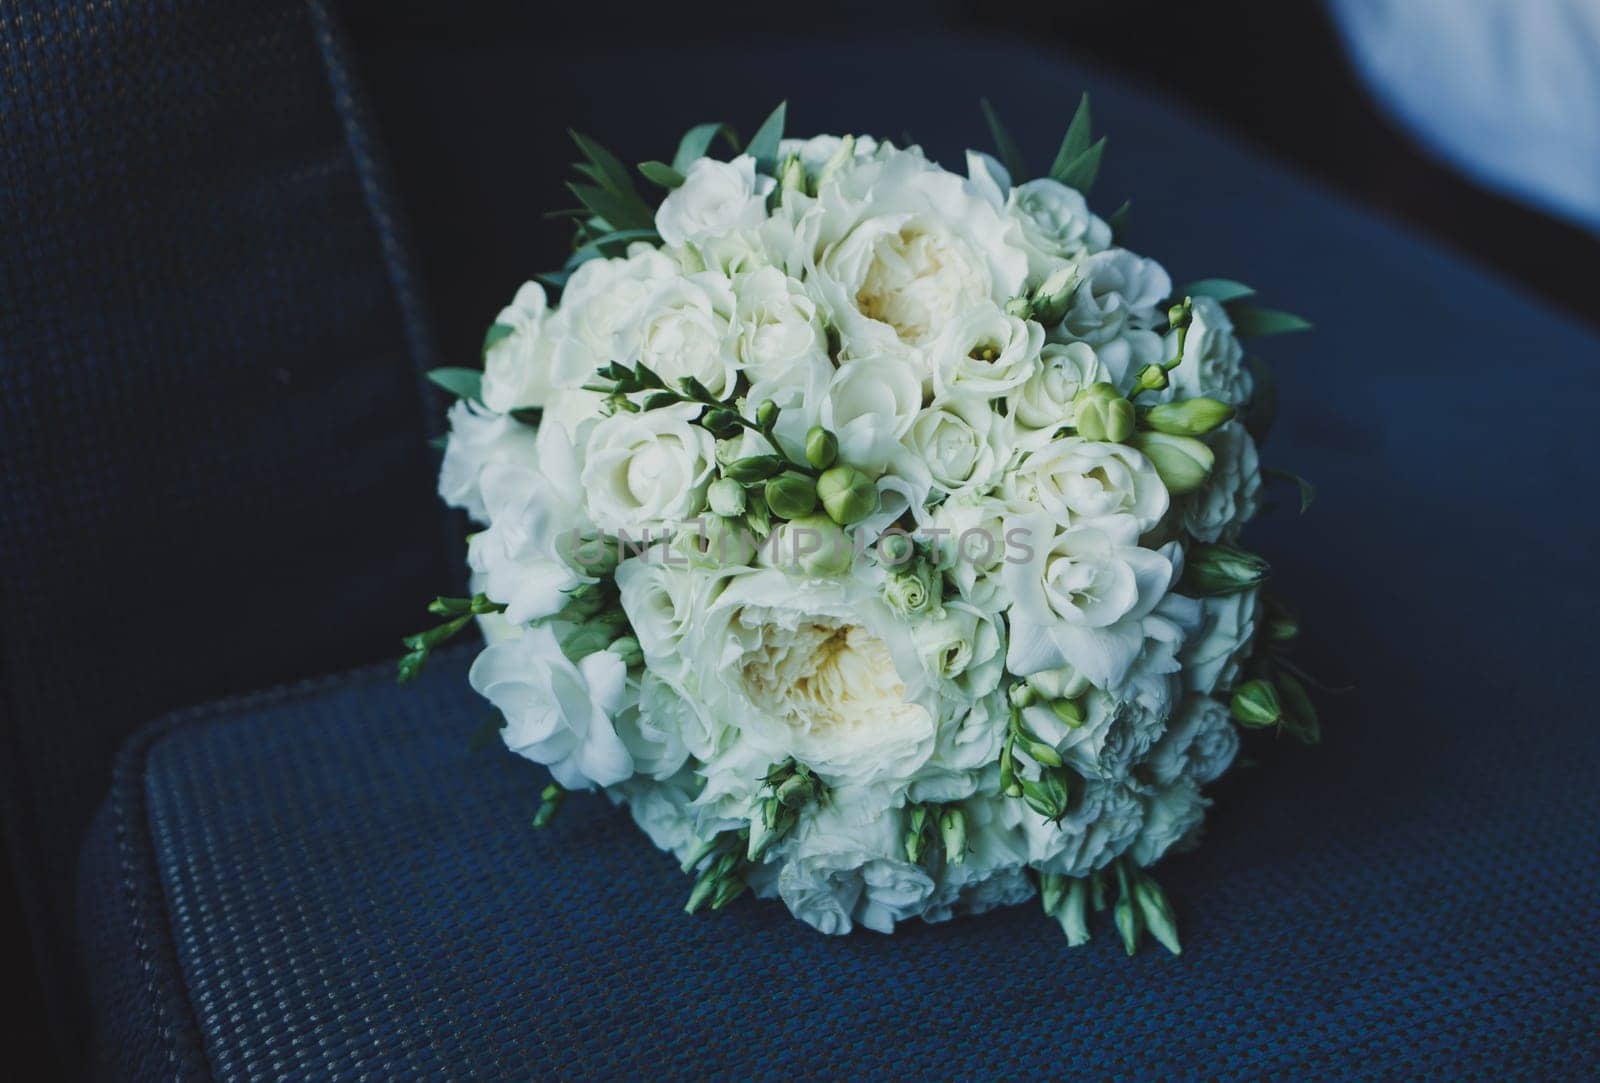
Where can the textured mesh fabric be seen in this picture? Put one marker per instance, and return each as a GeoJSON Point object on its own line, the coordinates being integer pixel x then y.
{"type": "Point", "coordinates": [327, 884]}
{"type": "Point", "coordinates": [211, 432]}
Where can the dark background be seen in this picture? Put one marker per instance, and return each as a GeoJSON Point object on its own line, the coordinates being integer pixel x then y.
{"type": "Point", "coordinates": [1270, 73]}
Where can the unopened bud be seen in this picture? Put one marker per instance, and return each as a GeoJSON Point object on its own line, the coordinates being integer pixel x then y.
{"type": "Point", "coordinates": [837, 161]}
{"type": "Point", "coordinates": [1188, 417]}
{"type": "Point", "coordinates": [754, 468]}
{"type": "Point", "coordinates": [1101, 413]}
{"type": "Point", "coordinates": [1021, 694]}
{"type": "Point", "coordinates": [791, 176]}
{"type": "Point", "coordinates": [1043, 753]}
{"type": "Point", "coordinates": [847, 494]}
{"type": "Point", "coordinates": [550, 799]}
{"type": "Point", "coordinates": [1222, 569]}
{"type": "Point", "coordinates": [817, 545]}
{"type": "Point", "coordinates": [767, 414]}
{"type": "Point", "coordinates": [1157, 913]}
{"type": "Point", "coordinates": [822, 447]}
{"type": "Point", "coordinates": [725, 497]}
{"type": "Point", "coordinates": [895, 549]}
{"type": "Point", "coordinates": [953, 834]}
{"type": "Point", "coordinates": [1281, 623]}
{"type": "Point", "coordinates": [627, 648]}
{"type": "Point", "coordinates": [791, 495]}
{"type": "Point", "coordinates": [1054, 295]}
{"type": "Point", "coordinates": [1178, 315]}
{"type": "Point", "coordinates": [1063, 683]}
{"type": "Point", "coordinates": [722, 423]}
{"type": "Point", "coordinates": [1130, 924]}
{"type": "Point", "coordinates": [794, 791]}
{"type": "Point", "coordinates": [1183, 462]}
{"type": "Point", "coordinates": [1069, 711]}
{"type": "Point", "coordinates": [1151, 378]}
{"type": "Point", "coordinates": [1255, 704]}
{"type": "Point", "coordinates": [1073, 912]}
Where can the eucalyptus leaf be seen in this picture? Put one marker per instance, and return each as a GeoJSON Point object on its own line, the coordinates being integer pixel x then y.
{"type": "Point", "coordinates": [661, 173]}
{"type": "Point", "coordinates": [764, 144]}
{"type": "Point", "coordinates": [1308, 491]}
{"type": "Point", "coordinates": [556, 280]}
{"type": "Point", "coordinates": [1006, 147]}
{"type": "Point", "coordinates": [618, 212]}
{"type": "Point", "coordinates": [439, 443]}
{"type": "Point", "coordinates": [1249, 321]}
{"type": "Point", "coordinates": [1083, 170]}
{"type": "Point", "coordinates": [496, 333]}
{"type": "Point", "coordinates": [461, 382]}
{"type": "Point", "coordinates": [697, 140]}
{"type": "Point", "coordinates": [1075, 142]}
{"type": "Point", "coordinates": [1221, 290]}
{"type": "Point", "coordinates": [607, 170]}
{"type": "Point", "coordinates": [1119, 221]}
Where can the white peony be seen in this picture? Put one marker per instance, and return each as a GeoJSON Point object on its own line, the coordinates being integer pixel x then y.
{"type": "Point", "coordinates": [557, 713]}
{"type": "Point", "coordinates": [647, 471]}
{"type": "Point", "coordinates": [479, 437]}
{"type": "Point", "coordinates": [715, 198]}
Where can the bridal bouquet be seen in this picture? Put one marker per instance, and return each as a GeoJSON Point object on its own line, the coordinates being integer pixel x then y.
{"type": "Point", "coordinates": [870, 530]}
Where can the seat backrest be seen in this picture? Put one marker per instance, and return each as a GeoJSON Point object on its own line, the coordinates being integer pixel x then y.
{"type": "Point", "coordinates": [212, 418]}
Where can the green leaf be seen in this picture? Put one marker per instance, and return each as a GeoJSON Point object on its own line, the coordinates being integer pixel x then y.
{"type": "Point", "coordinates": [460, 382]}
{"type": "Point", "coordinates": [496, 333]}
{"type": "Point", "coordinates": [1119, 221]}
{"type": "Point", "coordinates": [607, 170]}
{"type": "Point", "coordinates": [697, 140]}
{"type": "Point", "coordinates": [1308, 491]}
{"type": "Point", "coordinates": [764, 144]}
{"type": "Point", "coordinates": [1075, 142]}
{"type": "Point", "coordinates": [1252, 322]}
{"type": "Point", "coordinates": [661, 173]}
{"type": "Point", "coordinates": [1221, 290]}
{"type": "Point", "coordinates": [1083, 170]}
{"type": "Point", "coordinates": [1010, 154]}
{"type": "Point", "coordinates": [618, 212]}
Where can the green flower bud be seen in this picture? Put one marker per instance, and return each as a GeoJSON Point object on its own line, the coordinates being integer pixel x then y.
{"type": "Point", "coordinates": [822, 447]}
{"type": "Point", "coordinates": [1299, 713]}
{"type": "Point", "coordinates": [953, 834]}
{"type": "Point", "coordinates": [847, 494]}
{"type": "Point", "coordinates": [1020, 307]}
{"type": "Point", "coordinates": [1072, 912]}
{"type": "Point", "coordinates": [915, 590]}
{"type": "Point", "coordinates": [1188, 417]}
{"type": "Point", "coordinates": [627, 648]}
{"type": "Point", "coordinates": [722, 423]}
{"type": "Point", "coordinates": [1054, 295]}
{"type": "Point", "coordinates": [1178, 315]}
{"type": "Point", "coordinates": [1130, 924]}
{"type": "Point", "coordinates": [1009, 784]}
{"type": "Point", "coordinates": [754, 468]}
{"type": "Point", "coordinates": [1151, 378]}
{"type": "Point", "coordinates": [1101, 413]}
{"type": "Point", "coordinates": [1255, 704]}
{"type": "Point", "coordinates": [767, 414]}
{"type": "Point", "coordinates": [1048, 795]}
{"type": "Point", "coordinates": [1052, 889]}
{"type": "Point", "coordinates": [1281, 624]}
{"type": "Point", "coordinates": [896, 549]}
{"type": "Point", "coordinates": [728, 890]}
{"type": "Point", "coordinates": [791, 176]}
{"type": "Point", "coordinates": [698, 853]}
{"type": "Point", "coordinates": [1063, 683]}
{"type": "Point", "coordinates": [791, 495]}
{"type": "Point", "coordinates": [1222, 569]}
{"type": "Point", "coordinates": [1183, 462]}
{"type": "Point", "coordinates": [817, 545]}
{"type": "Point", "coordinates": [1157, 913]}
{"type": "Point", "coordinates": [795, 791]}
{"type": "Point", "coordinates": [725, 497]}
{"type": "Point", "coordinates": [550, 799]}
{"type": "Point", "coordinates": [1043, 753]}
{"type": "Point", "coordinates": [841, 156]}
{"type": "Point", "coordinates": [1070, 711]}
{"type": "Point", "coordinates": [1021, 695]}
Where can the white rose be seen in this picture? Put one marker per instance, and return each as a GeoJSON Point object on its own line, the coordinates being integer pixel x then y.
{"type": "Point", "coordinates": [776, 326]}
{"type": "Point", "coordinates": [1213, 360]}
{"type": "Point", "coordinates": [682, 328]}
{"type": "Point", "coordinates": [843, 871]}
{"type": "Point", "coordinates": [1056, 224]}
{"type": "Point", "coordinates": [963, 444]}
{"type": "Point", "coordinates": [479, 437]}
{"type": "Point", "coordinates": [517, 369]}
{"type": "Point", "coordinates": [1045, 401]}
{"type": "Point", "coordinates": [1231, 492]}
{"type": "Point", "coordinates": [663, 596]}
{"type": "Point", "coordinates": [525, 557]}
{"type": "Point", "coordinates": [1118, 291]}
{"type": "Point", "coordinates": [597, 304]}
{"type": "Point", "coordinates": [1103, 820]}
{"type": "Point", "coordinates": [985, 353]}
{"type": "Point", "coordinates": [870, 404]}
{"type": "Point", "coordinates": [647, 470]}
{"type": "Point", "coordinates": [820, 670]}
{"type": "Point", "coordinates": [1079, 596]}
{"type": "Point", "coordinates": [897, 248]}
{"type": "Point", "coordinates": [1228, 627]}
{"type": "Point", "coordinates": [557, 713]}
{"type": "Point", "coordinates": [1170, 814]}
{"type": "Point", "coordinates": [1200, 742]}
{"type": "Point", "coordinates": [1082, 481]}
{"type": "Point", "coordinates": [715, 198]}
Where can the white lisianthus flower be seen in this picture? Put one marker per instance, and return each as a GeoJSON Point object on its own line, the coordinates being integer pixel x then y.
{"type": "Point", "coordinates": [1228, 627]}
{"type": "Point", "coordinates": [1232, 491]}
{"type": "Point", "coordinates": [1057, 224]}
{"type": "Point", "coordinates": [845, 871]}
{"type": "Point", "coordinates": [648, 470]}
{"type": "Point", "coordinates": [968, 745]}
{"type": "Point", "coordinates": [818, 670]}
{"type": "Point", "coordinates": [870, 404]}
{"type": "Point", "coordinates": [1079, 596]}
{"type": "Point", "coordinates": [1170, 814]}
{"type": "Point", "coordinates": [479, 437]}
{"type": "Point", "coordinates": [662, 808]}
{"type": "Point", "coordinates": [1103, 820]}
{"type": "Point", "coordinates": [1200, 743]}
{"type": "Point", "coordinates": [525, 558]}
{"type": "Point", "coordinates": [1045, 401]}
{"type": "Point", "coordinates": [963, 444]}
{"type": "Point", "coordinates": [715, 198]}
{"type": "Point", "coordinates": [985, 353]}
{"type": "Point", "coordinates": [557, 713]}
{"type": "Point", "coordinates": [898, 248]}
{"type": "Point", "coordinates": [517, 368]}
{"type": "Point", "coordinates": [1213, 360]}
{"type": "Point", "coordinates": [963, 648]}
{"type": "Point", "coordinates": [597, 305]}
{"type": "Point", "coordinates": [1080, 482]}
{"type": "Point", "coordinates": [776, 325]}
{"type": "Point", "coordinates": [683, 328]}
{"type": "Point", "coordinates": [1118, 291]}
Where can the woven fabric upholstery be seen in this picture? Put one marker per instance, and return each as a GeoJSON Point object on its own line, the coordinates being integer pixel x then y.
{"type": "Point", "coordinates": [215, 474]}
{"type": "Point", "coordinates": [325, 883]}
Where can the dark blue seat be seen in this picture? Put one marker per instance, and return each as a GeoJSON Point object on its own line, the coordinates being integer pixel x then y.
{"type": "Point", "coordinates": [322, 881]}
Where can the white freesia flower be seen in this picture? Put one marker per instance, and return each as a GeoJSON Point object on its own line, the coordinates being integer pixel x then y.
{"type": "Point", "coordinates": [1228, 626]}
{"type": "Point", "coordinates": [1080, 482]}
{"type": "Point", "coordinates": [1200, 743]}
{"type": "Point", "coordinates": [557, 713]}
{"type": "Point", "coordinates": [715, 198]}
{"type": "Point", "coordinates": [1045, 401]}
{"type": "Point", "coordinates": [844, 872]}
{"type": "Point", "coordinates": [648, 470]}
{"type": "Point", "coordinates": [479, 437]}
{"type": "Point", "coordinates": [1231, 493]}
{"type": "Point", "coordinates": [517, 368]}
{"type": "Point", "coordinates": [1056, 223]}
{"type": "Point", "coordinates": [985, 353]}
{"type": "Point", "coordinates": [1080, 596]}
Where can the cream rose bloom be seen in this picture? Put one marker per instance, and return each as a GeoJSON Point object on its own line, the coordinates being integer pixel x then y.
{"type": "Point", "coordinates": [648, 470]}
{"type": "Point", "coordinates": [715, 198]}
{"type": "Point", "coordinates": [1080, 482]}
{"type": "Point", "coordinates": [517, 369]}
{"type": "Point", "coordinates": [1045, 400]}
